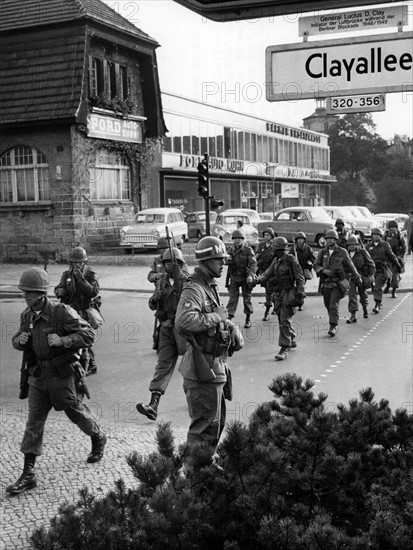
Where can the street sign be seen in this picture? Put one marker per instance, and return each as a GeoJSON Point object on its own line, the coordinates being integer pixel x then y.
{"type": "Point", "coordinates": [349, 21]}
{"type": "Point", "coordinates": [332, 68]}
{"type": "Point", "coordinates": [355, 104]}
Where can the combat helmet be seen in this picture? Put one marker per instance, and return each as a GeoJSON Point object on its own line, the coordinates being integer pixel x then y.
{"type": "Point", "coordinates": [392, 223]}
{"type": "Point", "coordinates": [238, 234]}
{"type": "Point", "coordinates": [78, 254]}
{"type": "Point", "coordinates": [209, 248]}
{"type": "Point", "coordinates": [174, 253]}
{"type": "Point", "coordinates": [331, 234]}
{"type": "Point", "coordinates": [34, 280]}
{"type": "Point", "coordinates": [377, 231]}
{"type": "Point", "coordinates": [339, 221]}
{"type": "Point", "coordinates": [352, 240]}
{"type": "Point", "coordinates": [280, 243]}
{"type": "Point", "coordinates": [269, 230]}
{"type": "Point", "coordinates": [162, 243]}
{"type": "Point", "coordinates": [300, 235]}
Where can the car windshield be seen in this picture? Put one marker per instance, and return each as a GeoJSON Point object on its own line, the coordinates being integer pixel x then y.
{"type": "Point", "coordinates": [231, 220]}
{"type": "Point", "coordinates": [319, 215]}
{"type": "Point", "coordinates": [345, 213]}
{"type": "Point", "coordinates": [150, 218]}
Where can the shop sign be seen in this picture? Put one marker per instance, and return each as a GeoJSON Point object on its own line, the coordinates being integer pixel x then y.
{"type": "Point", "coordinates": [340, 67]}
{"type": "Point", "coordinates": [349, 21]}
{"type": "Point", "coordinates": [116, 129]}
{"type": "Point", "coordinates": [290, 190]}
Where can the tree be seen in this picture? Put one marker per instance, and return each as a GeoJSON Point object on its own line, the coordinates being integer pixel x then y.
{"type": "Point", "coordinates": [358, 158]}
{"type": "Point", "coordinates": [297, 477]}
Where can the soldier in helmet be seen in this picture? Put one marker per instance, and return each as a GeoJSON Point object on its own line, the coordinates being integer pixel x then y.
{"type": "Point", "coordinates": [286, 274]}
{"type": "Point", "coordinates": [265, 255]}
{"type": "Point", "coordinates": [364, 264]}
{"type": "Point", "coordinates": [50, 336]}
{"type": "Point", "coordinates": [398, 246]}
{"type": "Point", "coordinates": [341, 232]}
{"type": "Point", "coordinates": [242, 266]}
{"type": "Point", "coordinates": [333, 265]}
{"type": "Point", "coordinates": [169, 345]}
{"type": "Point", "coordinates": [382, 255]}
{"type": "Point", "coordinates": [157, 270]}
{"type": "Point", "coordinates": [204, 322]}
{"type": "Point", "coordinates": [304, 254]}
{"type": "Point", "coordinates": [79, 288]}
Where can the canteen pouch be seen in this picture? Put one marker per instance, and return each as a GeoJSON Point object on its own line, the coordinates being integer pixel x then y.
{"type": "Point", "coordinates": [93, 317]}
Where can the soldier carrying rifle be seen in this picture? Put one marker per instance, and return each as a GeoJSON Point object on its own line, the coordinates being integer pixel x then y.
{"type": "Point", "coordinates": [204, 322]}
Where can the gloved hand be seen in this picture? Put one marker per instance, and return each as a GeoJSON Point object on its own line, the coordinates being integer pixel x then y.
{"type": "Point", "coordinates": [251, 281]}
{"type": "Point", "coordinates": [299, 299]}
{"type": "Point", "coordinates": [237, 340]}
{"type": "Point", "coordinates": [222, 312]}
{"type": "Point", "coordinates": [59, 292]}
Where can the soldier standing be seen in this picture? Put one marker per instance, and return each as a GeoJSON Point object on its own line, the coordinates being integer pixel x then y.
{"type": "Point", "coordinates": [332, 265]}
{"type": "Point", "coordinates": [202, 319]}
{"type": "Point", "coordinates": [305, 256]}
{"type": "Point", "coordinates": [364, 264]}
{"type": "Point", "coordinates": [242, 266]}
{"type": "Point", "coordinates": [287, 276]}
{"type": "Point", "coordinates": [79, 288]}
{"type": "Point", "coordinates": [265, 255]}
{"type": "Point", "coordinates": [398, 247]}
{"type": "Point", "coordinates": [170, 345]}
{"type": "Point", "coordinates": [341, 232]}
{"type": "Point", "coordinates": [50, 336]}
{"type": "Point", "coordinates": [382, 254]}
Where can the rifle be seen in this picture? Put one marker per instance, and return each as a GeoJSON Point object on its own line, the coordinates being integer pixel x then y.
{"type": "Point", "coordinates": [81, 379]}
{"type": "Point", "coordinates": [176, 272]}
{"type": "Point", "coordinates": [24, 371]}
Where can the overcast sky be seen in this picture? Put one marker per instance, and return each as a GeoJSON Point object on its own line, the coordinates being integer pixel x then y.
{"type": "Point", "coordinates": [224, 63]}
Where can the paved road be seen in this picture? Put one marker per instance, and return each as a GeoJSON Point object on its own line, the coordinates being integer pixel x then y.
{"type": "Point", "coordinates": [374, 352]}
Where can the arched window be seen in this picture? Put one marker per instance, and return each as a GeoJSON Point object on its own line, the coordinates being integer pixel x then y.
{"type": "Point", "coordinates": [110, 177]}
{"type": "Point", "coordinates": [24, 176]}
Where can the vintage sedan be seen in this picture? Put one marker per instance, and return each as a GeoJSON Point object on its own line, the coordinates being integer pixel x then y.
{"type": "Point", "coordinates": [313, 220]}
{"type": "Point", "coordinates": [197, 223]}
{"type": "Point", "coordinates": [226, 223]}
{"type": "Point", "coordinates": [149, 225]}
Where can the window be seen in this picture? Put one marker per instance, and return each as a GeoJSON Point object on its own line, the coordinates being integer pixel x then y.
{"type": "Point", "coordinates": [107, 77]}
{"type": "Point", "coordinates": [110, 177]}
{"type": "Point", "coordinates": [24, 176]}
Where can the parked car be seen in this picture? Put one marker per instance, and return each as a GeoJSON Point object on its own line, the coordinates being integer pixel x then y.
{"type": "Point", "coordinates": [400, 219]}
{"type": "Point", "coordinates": [197, 223]}
{"type": "Point", "coordinates": [266, 216]}
{"type": "Point", "coordinates": [252, 214]}
{"type": "Point", "coordinates": [313, 220]}
{"type": "Point", "coordinates": [341, 212]}
{"type": "Point", "coordinates": [365, 221]}
{"type": "Point", "coordinates": [149, 225]}
{"type": "Point", "coordinates": [226, 223]}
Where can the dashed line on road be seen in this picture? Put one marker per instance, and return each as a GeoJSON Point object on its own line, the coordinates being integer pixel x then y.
{"type": "Point", "coordinates": [360, 340]}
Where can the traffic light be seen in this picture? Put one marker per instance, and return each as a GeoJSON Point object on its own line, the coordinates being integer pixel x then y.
{"type": "Point", "coordinates": [215, 203]}
{"type": "Point", "coordinates": [203, 182]}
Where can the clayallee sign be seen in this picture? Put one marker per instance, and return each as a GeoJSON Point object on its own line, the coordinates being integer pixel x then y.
{"type": "Point", "coordinates": [329, 68]}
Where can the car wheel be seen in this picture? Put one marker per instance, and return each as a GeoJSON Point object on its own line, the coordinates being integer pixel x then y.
{"type": "Point", "coordinates": [320, 241]}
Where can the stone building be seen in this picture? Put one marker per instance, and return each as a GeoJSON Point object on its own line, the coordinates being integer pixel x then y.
{"type": "Point", "coordinates": [80, 116]}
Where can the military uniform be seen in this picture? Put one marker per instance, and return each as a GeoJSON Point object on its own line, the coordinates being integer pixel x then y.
{"type": "Point", "coordinates": [381, 254]}
{"type": "Point", "coordinates": [365, 267]}
{"type": "Point", "coordinates": [242, 264]}
{"type": "Point", "coordinates": [265, 255]}
{"type": "Point", "coordinates": [398, 247]}
{"type": "Point", "coordinates": [337, 261]}
{"type": "Point", "coordinates": [195, 316]}
{"type": "Point", "coordinates": [285, 273]}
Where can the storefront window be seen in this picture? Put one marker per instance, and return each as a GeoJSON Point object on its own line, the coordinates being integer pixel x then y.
{"type": "Point", "coordinates": [24, 176]}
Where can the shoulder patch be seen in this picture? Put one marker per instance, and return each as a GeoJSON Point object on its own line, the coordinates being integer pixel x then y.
{"type": "Point", "coordinates": [187, 305]}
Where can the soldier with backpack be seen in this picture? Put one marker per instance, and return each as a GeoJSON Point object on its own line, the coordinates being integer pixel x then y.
{"type": "Point", "coordinates": [398, 247]}
{"type": "Point", "coordinates": [50, 336]}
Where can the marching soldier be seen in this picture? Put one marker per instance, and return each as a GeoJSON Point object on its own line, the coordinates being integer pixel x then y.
{"type": "Point", "coordinates": [382, 254]}
{"type": "Point", "coordinates": [341, 232]}
{"type": "Point", "coordinates": [265, 255]}
{"type": "Point", "coordinates": [364, 264]}
{"type": "Point", "coordinates": [304, 254]}
{"type": "Point", "coordinates": [50, 336]}
{"type": "Point", "coordinates": [79, 288]}
{"type": "Point", "coordinates": [204, 322]}
{"type": "Point", "coordinates": [242, 266]}
{"type": "Point", "coordinates": [288, 283]}
{"type": "Point", "coordinates": [170, 345]}
{"type": "Point", "coordinates": [332, 266]}
{"type": "Point", "coordinates": [398, 247]}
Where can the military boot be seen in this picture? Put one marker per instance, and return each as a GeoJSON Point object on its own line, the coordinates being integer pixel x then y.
{"type": "Point", "coordinates": [266, 314]}
{"type": "Point", "coordinates": [247, 321]}
{"type": "Point", "coordinates": [353, 318]}
{"type": "Point", "coordinates": [151, 410]}
{"type": "Point", "coordinates": [393, 293]}
{"type": "Point", "coordinates": [28, 478]}
{"type": "Point", "coordinates": [98, 446]}
{"type": "Point", "coordinates": [332, 331]}
{"type": "Point", "coordinates": [282, 354]}
{"type": "Point", "coordinates": [376, 306]}
{"type": "Point", "coordinates": [365, 312]}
